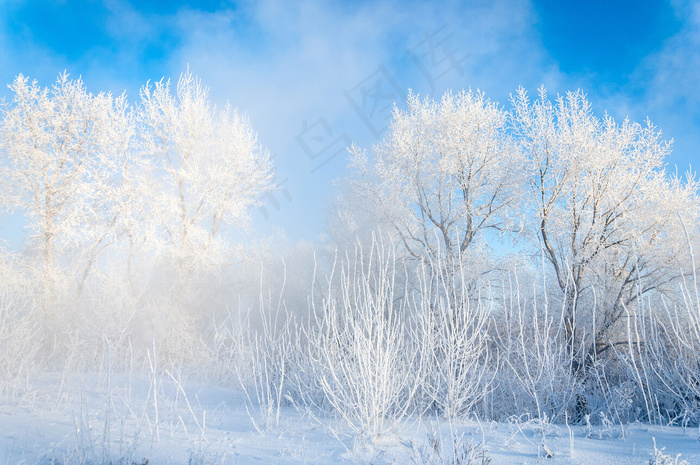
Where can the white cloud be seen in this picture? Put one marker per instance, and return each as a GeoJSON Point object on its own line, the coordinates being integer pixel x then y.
{"type": "Point", "coordinates": [669, 81]}
{"type": "Point", "coordinates": [294, 61]}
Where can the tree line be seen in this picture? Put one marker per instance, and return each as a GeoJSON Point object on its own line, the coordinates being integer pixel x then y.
{"type": "Point", "coordinates": [534, 252]}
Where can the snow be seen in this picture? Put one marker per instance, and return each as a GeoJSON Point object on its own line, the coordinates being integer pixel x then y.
{"type": "Point", "coordinates": [64, 419]}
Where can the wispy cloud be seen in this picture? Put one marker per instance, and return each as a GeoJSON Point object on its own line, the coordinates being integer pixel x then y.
{"type": "Point", "coordinates": [665, 88]}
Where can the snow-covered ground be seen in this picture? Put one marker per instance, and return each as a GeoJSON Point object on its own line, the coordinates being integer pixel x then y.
{"type": "Point", "coordinates": [134, 420]}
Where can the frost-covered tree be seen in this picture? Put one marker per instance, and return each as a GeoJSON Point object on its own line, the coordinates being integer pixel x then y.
{"type": "Point", "coordinates": [445, 173]}
{"type": "Point", "coordinates": [64, 153]}
{"type": "Point", "coordinates": [206, 168]}
{"type": "Point", "coordinates": [603, 211]}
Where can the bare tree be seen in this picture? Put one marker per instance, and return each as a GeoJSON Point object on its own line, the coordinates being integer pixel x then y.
{"type": "Point", "coordinates": [603, 208]}
{"type": "Point", "coordinates": [64, 153]}
{"type": "Point", "coordinates": [206, 168]}
{"type": "Point", "coordinates": [444, 175]}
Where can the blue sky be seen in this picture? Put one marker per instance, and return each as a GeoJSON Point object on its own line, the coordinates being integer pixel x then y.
{"type": "Point", "coordinates": [314, 76]}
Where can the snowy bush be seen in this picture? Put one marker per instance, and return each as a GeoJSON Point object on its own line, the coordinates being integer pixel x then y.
{"type": "Point", "coordinates": [460, 451]}
{"type": "Point", "coordinates": [659, 458]}
{"type": "Point", "coordinates": [362, 360]}
{"type": "Point", "coordinates": [453, 328]}
{"type": "Point", "coordinates": [537, 360]}
{"type": "Point", "coordinates": [20, 329]}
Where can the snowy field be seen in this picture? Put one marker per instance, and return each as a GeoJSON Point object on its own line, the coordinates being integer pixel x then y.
{"type": "Point", "coordinates": [136, 420]}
